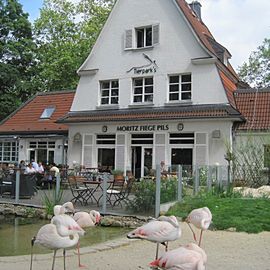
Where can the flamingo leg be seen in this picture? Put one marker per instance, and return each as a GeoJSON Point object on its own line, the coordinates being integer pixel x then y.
{"type": "Point", "coordinates": [194, 235]}
{"type": "Point", "coordinates": [54, 254]}
{"type": "Point", "coordinates": [200, 238]}
{"type": "Point", "coordinates": [64, 255]}
{"type": "Point", "coordinates": [79, 256]}
{"type": "Point", "coordinates": [166, 246]}
{"type": "Point", "coordinates": [157, 251]}
{"type": "Point", "coordinates": [32, 244]}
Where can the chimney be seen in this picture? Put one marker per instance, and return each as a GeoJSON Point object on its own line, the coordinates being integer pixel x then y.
{"type": "Point", "coordinates": [196, 7]}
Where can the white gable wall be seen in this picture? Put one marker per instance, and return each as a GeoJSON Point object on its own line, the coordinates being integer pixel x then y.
{"type": "Point", "coordinates": [173, 55]}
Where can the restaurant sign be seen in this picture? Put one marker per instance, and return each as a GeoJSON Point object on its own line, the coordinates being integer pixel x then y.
{"type": "Point", "coordinates": [143, 128]}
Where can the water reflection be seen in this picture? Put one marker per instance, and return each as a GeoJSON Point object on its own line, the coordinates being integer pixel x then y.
{"type": "Point", "coordinates": [16, 234]}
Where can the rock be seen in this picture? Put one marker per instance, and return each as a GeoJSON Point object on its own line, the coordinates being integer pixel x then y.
{"type": "Point", "coordinates": [232, 229]}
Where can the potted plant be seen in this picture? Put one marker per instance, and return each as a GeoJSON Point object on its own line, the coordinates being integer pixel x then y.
{"type": "Point", "coordinates": [118, 174]}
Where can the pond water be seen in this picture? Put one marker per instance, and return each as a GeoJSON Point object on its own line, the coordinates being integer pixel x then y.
{"type": "Point", "coordinates": [16, 234]}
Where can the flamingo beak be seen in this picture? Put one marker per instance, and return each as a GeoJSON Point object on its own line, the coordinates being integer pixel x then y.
{"type": "Point", "coordinates": [97, 220]}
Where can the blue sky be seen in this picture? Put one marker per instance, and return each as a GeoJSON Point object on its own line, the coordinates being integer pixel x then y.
{"type": "Point", "coordinates": [32, 7]}
{"type": "Point", "coordinates": [239, 25]}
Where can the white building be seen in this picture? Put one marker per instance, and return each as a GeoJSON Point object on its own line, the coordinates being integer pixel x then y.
{"type": "Point", "coordinates": [156, 86]}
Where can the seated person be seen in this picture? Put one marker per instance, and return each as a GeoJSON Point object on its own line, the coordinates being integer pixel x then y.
{"type": "Point", "coordinates": [40, 168]}
{"type": "Point", "coordinates": [29, 169]}
{"type": "Point", "coordinates": [22, 166]}
{"type": "Point", "coordinates": [54, 169]}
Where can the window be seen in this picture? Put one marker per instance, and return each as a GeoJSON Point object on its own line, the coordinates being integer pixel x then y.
{"type": "Point", "coordinates": [145, 36]}
{"type": "Point", "coordinates": [47, 113]}
{"type": "Point", "coordinates": [109, 92]}
{"type": "Point", "coordinates": [142, 139]}
{"type": "Point", "coordinates": [182, 138]}
{"type": "Point", "coordinates": [143, 89]}
{"type": "Point", "coordinates": [180, 87]}
{"type": "Point", "coordinates": [105, 139]}
{"type": "Point", "coordinates": [267, 156]}
{"type": "Point", "coordinates": [9, 151]}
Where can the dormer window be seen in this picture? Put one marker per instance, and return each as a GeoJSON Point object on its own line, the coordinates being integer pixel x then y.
{"type": "Point", "coordinates": [142, 37]}
{"type": "Point", "coordinates": [47, 113]}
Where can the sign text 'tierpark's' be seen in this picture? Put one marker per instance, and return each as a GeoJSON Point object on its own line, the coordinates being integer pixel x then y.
{"type": "Point", "coordinates": [143, 128]}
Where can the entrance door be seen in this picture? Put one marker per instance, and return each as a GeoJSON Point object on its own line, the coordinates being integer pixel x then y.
{"type": "Point", "coordinates": [142, 158]}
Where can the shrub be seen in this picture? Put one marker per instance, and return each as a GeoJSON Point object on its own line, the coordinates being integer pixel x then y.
{"type": "Point", "coordinates": [145, 192]}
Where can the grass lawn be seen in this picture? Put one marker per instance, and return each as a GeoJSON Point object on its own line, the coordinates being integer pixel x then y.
{"type": "Point", "coordinates": [245, 214]}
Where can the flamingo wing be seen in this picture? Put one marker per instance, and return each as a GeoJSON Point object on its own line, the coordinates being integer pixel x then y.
{"type": "Point", "coordinates": [180, 258]}
{"type": "Point", "coordinates": [48, 237]}
{"type": "Point", "coordinates": [66, 225]}
{"type": "Point", "coordinates": [83, 219]}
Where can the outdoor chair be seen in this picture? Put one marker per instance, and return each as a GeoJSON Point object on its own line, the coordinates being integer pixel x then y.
{"type": "Point", "coordinates": [119, 191]}
{"type": "Point", "coordinates": [124, 194]}
{"type": "Point", "coordinates": [80, 193]}
{"type": "Point", "coordinates": [114, 193]}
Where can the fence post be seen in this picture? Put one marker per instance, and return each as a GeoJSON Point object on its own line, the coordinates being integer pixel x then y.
{"type": "Point", "coordinates": [196, 183]}
{"type": "Point", "coordinates": [180, 184]}
{"type": "Point", "coordinates": [157, 201]}
{"type": "Point", "coordinates": [17, 187]}
{"type": "Point", "coordinates": [209, 178]}
{"type": "Point", "coordinates": [57, 188]}
{"type": "Point", "coordinates": [104, 196]}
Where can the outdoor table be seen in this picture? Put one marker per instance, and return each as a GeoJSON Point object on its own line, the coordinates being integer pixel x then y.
{"type": "Point", "coordinates": [96, 187]}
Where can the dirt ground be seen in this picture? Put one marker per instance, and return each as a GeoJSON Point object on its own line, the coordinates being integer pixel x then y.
{"type": "Point", "coordinates": [225, 251]}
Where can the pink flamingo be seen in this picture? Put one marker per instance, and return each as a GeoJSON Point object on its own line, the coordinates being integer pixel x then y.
{"type": "Point", "coordinates": [62, 209]}
{"type": "Point", "coordinates": [162, 230]}
{"type": "Point", "coordinates": [85, 219]}
{"type": "Point", "coordinates": [56, 235]}
{"type": "Point", "coordinates": [201, 218]}
{"type": "Point", "coordinates": [189, 257]}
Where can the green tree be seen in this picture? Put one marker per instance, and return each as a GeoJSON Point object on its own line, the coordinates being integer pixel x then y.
{"type": "Point", "coordinates": [65, 33]}
{"type": "Point", "coordinates": [256, 71]}
{"type": "Point", "coordinates": [16, 56]}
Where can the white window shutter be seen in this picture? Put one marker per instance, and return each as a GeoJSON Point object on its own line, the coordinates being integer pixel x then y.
{"type": "Point", "coordinates": [128, 39]}
{"type": "Point", "coordinates": [120, 155]}
{"type": "Point", "coordinates": [201, 149]}
{"type": "Point", "coordinates": [155, 29]}
{"type": "Point", "coordinates": [88, 150]}
{"type": "Point", "coordinates": [87, 159]}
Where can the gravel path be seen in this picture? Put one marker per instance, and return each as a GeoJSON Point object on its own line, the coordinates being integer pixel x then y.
{"type": "Point", "coordinates": [225, 251]}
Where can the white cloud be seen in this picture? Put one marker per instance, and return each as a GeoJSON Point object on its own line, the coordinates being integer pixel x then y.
{"type": "Point", "coordinates": [239, 25]}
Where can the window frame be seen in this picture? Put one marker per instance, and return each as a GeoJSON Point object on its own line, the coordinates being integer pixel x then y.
{"type": "Point", "coordinates": [180, 92]}
{"type": "Point", "coordinates": [47, 112]}
{"type": "Point", "coordinates": [110, 89]}
{"type": "Point", "coordinates": [9, 151]}
{"type": "Point", "coordinates": [144, 39]}
{"type": "Point", "coordinates": [131, 36]}
{"type": "Point", "coordinates": [144, 93]}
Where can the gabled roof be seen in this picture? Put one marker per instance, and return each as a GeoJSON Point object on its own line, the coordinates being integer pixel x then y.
{"type": "Point", "coordinates": [228, 75]}
{"type": "Point", "coordinates": [229, 87]}
{"type": "Point", "coordinates": [26, 119]}
{"type": "Point", "coordinates": [254, 105]}
{"type": "Point", "coordinates": [207, 111]}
